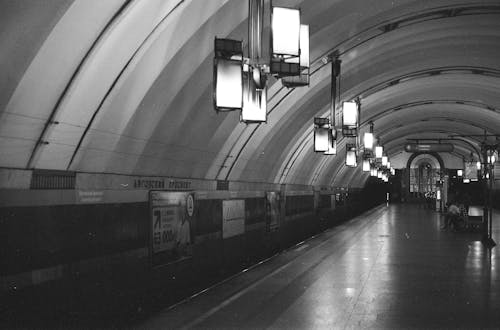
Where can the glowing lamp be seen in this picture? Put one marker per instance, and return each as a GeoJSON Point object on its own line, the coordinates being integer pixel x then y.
{"type": "Point", "coordinates": [351, 156]}
{"type": "Point", "coordinates": [321, 132]}
{"type": "Point", "coordinates": [368, 141]}
{"type": "Point", "coordinates": [379, 151]}
{"type": "Point", "coordinates": [302, 79]}
{"type": "Point", "coordinates": [228, 75]}
{"type": "Point", "coordinates": [366, 165]}
{"type": "Point", "coordinates": [460, 173]}
{"type": "Point", "coordinates": [285, 32]}
{"type": "Point", "coordinates": [350, 115]}
{"type": "Point", "coordinates": [478, 165]}
{"type": "Point", "coordinates": [228, 84]}
{"type": "Point", "coordinates": [384, 160]}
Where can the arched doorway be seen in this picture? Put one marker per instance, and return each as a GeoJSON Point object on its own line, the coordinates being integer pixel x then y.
{"type": "Point", "coordinates": [424, 175]}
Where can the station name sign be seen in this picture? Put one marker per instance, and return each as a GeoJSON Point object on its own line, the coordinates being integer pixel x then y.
{"type": "Point", "coordinates": [161, 184]}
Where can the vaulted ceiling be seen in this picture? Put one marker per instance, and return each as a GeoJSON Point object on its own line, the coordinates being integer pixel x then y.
{"type": "Point", "coordinates": [125, 86]}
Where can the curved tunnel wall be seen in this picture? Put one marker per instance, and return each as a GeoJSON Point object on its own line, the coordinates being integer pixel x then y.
{"type": "Point", "coordinates": [120, 102]}
{"type": "Point", "coordinates": [107, 100]}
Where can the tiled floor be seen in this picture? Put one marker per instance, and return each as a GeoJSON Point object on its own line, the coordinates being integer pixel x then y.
{"type": "Point", "coordinates": [390, 268]}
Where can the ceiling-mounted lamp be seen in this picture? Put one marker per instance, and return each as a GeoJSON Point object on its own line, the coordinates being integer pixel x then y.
{"type": "Point", "coordinates": [228, 75]}
{"type": "Point", "coordinates": [302, 79]}
{"type": "Point", "coordinates": [460, 173]}
{"type": "Point", "coordinates": [285, 41]}
{"type": "Point", "coordinates": [368, 139]}
{"type": "Point", "coordinates": [240, 82]}
{"type": "Point", "coordinates": [351, 157]}
{"type": "Point", "coordinates": [366, 165]}
{"type": "Point", "coordinates": [321, 134]}
{"type": "Point", "coordinates": [350, 118]}
{"type": "Point", "coordinates": [379, 151]}
{"type": "Point", "coordinates": [385, 159]}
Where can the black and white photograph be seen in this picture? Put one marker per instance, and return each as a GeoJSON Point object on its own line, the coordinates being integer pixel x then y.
{"type": "Point", "coordinates": [249, 164]}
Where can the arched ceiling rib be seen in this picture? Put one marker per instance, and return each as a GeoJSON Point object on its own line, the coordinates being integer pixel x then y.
{"type": "Point", "coordinates": [134, 84]}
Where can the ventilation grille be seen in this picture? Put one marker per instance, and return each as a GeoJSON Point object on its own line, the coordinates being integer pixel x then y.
{"type": "Point", "coordinates": [49, 179]}
{"type": "Point", "coordinates": [222, 185]}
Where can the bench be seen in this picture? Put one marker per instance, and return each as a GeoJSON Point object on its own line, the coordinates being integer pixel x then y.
{"type": "Point", "coordinates": [474, 216]}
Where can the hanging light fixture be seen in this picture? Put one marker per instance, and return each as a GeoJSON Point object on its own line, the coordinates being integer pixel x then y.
{"type": "Point", "coordinates": [460, 173]}
{"type": "Point", "coordinates": [350, 117]}
{"type": "Point", "coordinates": [368, 139]}
{"type": "Point", "coordinates": [285, 41]}
{"type": "Point", "coordinates": [303, 78]}
{"type": "Point", "coordinates": [228, 75]}
{"type": "Point", "coordinates": [321, 134]}
{"type": "Point", "coordinates": [379, 151]}
{"type": "Point", "coordinates": [384, 161]}
{"type": "Point", "coordinates": [240, 83]}
{"type": "Point", "coordinates": [351, 155]}
{"type": "Point", "coordinates": [332, 136]}
{"type": "Point", "coordinates": [366, 165]}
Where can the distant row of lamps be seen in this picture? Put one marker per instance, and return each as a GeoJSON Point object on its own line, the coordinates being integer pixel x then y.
{"type": "Point", "coordinates": [240, 83]}
{"type": "Point", "coordinates": [326, 133]}
{"type": "Point", "coordinates": [473, 171]}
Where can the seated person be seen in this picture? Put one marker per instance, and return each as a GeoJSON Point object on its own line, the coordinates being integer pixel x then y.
{"type": "Point", "coordinates": [452, 215]}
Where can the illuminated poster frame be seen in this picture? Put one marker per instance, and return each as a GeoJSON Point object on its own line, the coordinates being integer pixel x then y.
{"type": "Point", "coordinates": [171, 220]}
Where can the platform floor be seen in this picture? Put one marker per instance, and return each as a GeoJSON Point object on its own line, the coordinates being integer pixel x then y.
{"type": "Point", "coordinates": [392, 267]}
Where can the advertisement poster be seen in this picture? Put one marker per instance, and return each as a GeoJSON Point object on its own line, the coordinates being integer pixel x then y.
{"type": "Point", "coordinates": [470, 171]}
{"type": "Point", "coordinates": [171, 217]}
{"type": "Point", "coordinates": [273, 210]}
{"type": "Point", "coordinates": [233, 218]}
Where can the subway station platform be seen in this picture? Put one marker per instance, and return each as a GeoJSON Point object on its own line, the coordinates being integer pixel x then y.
{"type": "Point", "coordinates": [392, 267]}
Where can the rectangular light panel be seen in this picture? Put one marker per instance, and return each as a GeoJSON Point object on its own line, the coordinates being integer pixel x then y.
{"type": "Point", "coordinates": [350, 114]}
{"type": "Point", "coordinates": [321, 139]}
{"type": "Point", "coordinates": [368, 141]}
{"type": "Point", "coordinates": [350, 158]}
{"type": "Point", "coordinates": [285, 31]}
{"type": "Point", "coordinates": [228, 84]}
